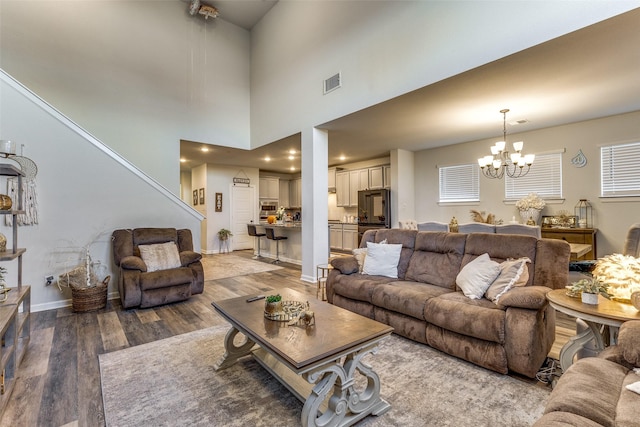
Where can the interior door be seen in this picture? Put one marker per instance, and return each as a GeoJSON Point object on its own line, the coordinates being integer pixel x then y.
{"type": "Point", "coordinates": [243, 211]}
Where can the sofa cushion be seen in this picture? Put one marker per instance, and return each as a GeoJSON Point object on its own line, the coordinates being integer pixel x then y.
{"type": "Point", "coordinates": [357, 286]}
{"type": "Point", "coordinates": [589, 388]}
{"type": "Point", "coordinates": [166, 278]}
{"type": "Point", "coordinates": [382, 260]}
{"type": "Point", "coordinates": [513, 273]}
{"type": "Point", "coordinates": [436, 258]}
{"type": "Point", "coordinates": [160, 256]}
{"type": "Point", "coordinates": [475, 278]}
{"type": "Point", "coordinates": [474, 318]}
{"type": "Point", "coordinates": [406, 238]}
{"type": "Point", "coordinates": [405, 297]}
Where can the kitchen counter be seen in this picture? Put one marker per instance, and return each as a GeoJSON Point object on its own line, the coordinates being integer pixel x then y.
{"type": "Point", "coordinates": [290, 249]}
{"type": "Point", "coordinates": [294, 224]}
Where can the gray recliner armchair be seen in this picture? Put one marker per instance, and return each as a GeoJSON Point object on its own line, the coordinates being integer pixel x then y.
{"type": "Point", "coordinates": [172, 271]}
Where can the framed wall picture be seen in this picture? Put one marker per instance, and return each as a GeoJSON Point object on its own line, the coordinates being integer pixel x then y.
{"type": "Point", "coordinates": [201, 191]}
{"type": "Point", "coordinates": [195, 197]}
{"type": "Point", "coordinates": [218, 202]}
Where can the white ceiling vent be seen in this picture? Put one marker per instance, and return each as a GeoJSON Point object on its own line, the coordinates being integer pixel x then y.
{"type": "Point", "coordinates": [332, 83]}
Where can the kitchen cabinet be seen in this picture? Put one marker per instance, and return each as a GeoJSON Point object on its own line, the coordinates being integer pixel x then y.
{"type": "Point", "coordinates": [269, 188]}
{"type": "Point", "coordinates": [343, 189]}
{"type": "Point", "coordinates": [295, 193]}
{"type": "Point", "coordinates": [358, 180]}
{"type": "Point", "coordinates": [335, 236]}
{"type": "Point", "coordinates": [386, 171]}
{"type": "Point", "coordinates": [574, 235]}
{"type": "Point", "coordinates": [349, 236]}
{"type": "Point", "coordinates": [376, 178]}
{"type": "Point", "coordinates": [284, 199]}
{"type": "Point", "coordinates": [331, 178]}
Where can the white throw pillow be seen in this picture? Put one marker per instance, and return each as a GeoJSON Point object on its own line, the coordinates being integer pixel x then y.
{"type": "Point", "coordinates": [475, 278]}
{"type": "Point", "coordinates": [513, 273]}
{"type": "Point", "coordinates": [382, 260]}
{"type": "Point", "coordinates": [161, 256]}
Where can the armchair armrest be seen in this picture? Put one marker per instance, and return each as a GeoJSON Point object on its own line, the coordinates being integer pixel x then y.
{"type": "Point", "coordinates": [189, 257]}
{"type": "Point", "coordinates": [629, 342]}
{"type": "Point", "coordinates": [345, 264]}
{"type": "Point", "coordinates": [531, 297]}
{"type": "Point", "coordinates": [133, 263]}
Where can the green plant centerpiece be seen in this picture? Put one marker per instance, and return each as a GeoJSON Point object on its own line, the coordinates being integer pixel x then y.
{"type": "Point", "coordinates": [273, 304]}
{"type": "Point", "coordinates": [224, 234]}
{"type": "Point", "coordinates": [590, 288]}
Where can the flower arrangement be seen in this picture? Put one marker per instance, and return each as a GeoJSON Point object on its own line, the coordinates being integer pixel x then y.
{"type": "Point", "coordinates": [621, 272]}
{"type": "Point", "coordinates": [280, 213]}
{"type": "Point", "coordinates": [532, 201]}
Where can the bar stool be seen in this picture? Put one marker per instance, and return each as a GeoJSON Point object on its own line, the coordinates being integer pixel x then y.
{"type": "Point", "coordinates": [253, 232]}
{"type": "Point", "coordinates": [272, 236]}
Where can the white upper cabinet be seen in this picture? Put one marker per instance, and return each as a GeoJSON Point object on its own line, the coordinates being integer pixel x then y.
{"type": "Point", "coordinates": [284, 199]}
{"type": "Point", "coordinates": [342, 189]}
{"type": "Point", "coordinates": [331, 178]}
{"type": "Point", "coordinates": [295, 193]}
{"type": "Point", "coordinates": [269, 188]}
{"type": "Point", "coordinates": [376, 178]}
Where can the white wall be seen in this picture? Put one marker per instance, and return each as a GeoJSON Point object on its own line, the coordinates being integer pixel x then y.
{"type": "Point", "coordinates": [83, 195]}
{"type": "Point", "coordinates": [139, 75]}
{"type": "Point", "coordinates": [611, 217]}
{"type": "Point", "coordinates": [386, 48]}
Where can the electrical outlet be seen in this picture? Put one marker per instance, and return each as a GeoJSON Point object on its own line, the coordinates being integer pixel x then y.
{"type": "Point", "coordinates": [48, 280]}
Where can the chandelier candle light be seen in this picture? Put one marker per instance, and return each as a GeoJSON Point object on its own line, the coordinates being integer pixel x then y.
{"type": "Point", "coordinates": [501, 162]}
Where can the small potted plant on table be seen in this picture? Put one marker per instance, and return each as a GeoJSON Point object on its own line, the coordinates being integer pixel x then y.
{"type": "Point", "coordinates": [590, 288]}
{"type": "Point", "coordinates": [273, 304]}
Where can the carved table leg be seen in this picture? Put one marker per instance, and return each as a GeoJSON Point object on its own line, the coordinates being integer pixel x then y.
{"type": "Point", "coordinates": [346, 406]}
{"type": "Point", "coordinates": [578, 342]}
{"type": "Point", "coordinates": [232, 352]}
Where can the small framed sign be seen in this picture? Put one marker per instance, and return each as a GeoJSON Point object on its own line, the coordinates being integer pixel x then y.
{"type": "Point", "coordinates": [195, 197]}
{"type": "Point", "coordinates": [218, 202]}
{"type": "Point", "coordinates": [201, 192]}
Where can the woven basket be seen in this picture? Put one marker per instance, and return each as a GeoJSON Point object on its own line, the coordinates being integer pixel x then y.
{"type": "Point", "coordinates": [88, 299]}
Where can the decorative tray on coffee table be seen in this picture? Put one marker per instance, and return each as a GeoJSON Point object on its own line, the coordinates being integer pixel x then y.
{"type": "Point", "coordinates": [290, 310]}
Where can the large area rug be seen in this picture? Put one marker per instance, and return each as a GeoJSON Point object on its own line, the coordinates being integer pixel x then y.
{"type": "Point", "coordinates": [221, 266]}
{"type": "Point", "coordinates": [172, 383]}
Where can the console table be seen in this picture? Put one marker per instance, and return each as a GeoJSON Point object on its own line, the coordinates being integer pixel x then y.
{"type": "Point", "coordinates": [583, 236]}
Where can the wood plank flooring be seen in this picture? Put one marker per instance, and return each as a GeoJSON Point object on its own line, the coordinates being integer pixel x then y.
{"type": "Point", "coordinates": [58, 382]}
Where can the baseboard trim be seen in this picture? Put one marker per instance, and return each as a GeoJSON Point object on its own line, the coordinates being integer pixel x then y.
{"type": "Point", "coordinates": [53, 305]}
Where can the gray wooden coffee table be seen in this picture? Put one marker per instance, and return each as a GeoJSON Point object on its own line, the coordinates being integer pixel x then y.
{"type": "Point", "coordinates": [327, 355]}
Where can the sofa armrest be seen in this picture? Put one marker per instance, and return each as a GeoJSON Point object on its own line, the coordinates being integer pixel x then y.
{"type": "Point", "coordinates": [531, 297]}
{"type": "Point", "coordinates": [133, 263]}
{"type": "Point", "coordinates": [189, 257]}
{"type": "Point", "coordinates": [629, 342]}
{"type": "Point", "coordinates": [345, 264]}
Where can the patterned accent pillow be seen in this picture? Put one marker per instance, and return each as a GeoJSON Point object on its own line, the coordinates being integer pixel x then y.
{"type": "Point", "coordinates": [513, 273]}
{"type": "Point", "coordinates": [161, 256]}
{"type": "Point", "coordinates": [360, 254]}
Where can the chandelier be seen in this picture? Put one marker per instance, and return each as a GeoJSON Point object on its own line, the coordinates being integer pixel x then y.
{"type": "Point", "coordinates": [501, 162]}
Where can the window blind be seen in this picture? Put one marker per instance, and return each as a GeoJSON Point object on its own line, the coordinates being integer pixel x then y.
{"type": "Point", "coordinates": [544, 178]}
{"type": "Point", "coordinates": [460, 183]}
{"type": "Point", "coordinates": [620, 175]}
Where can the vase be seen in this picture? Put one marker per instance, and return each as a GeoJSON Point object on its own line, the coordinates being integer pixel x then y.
{"type": "Point", "coordinates": [530, 214]}
{"type": "Point", "coordinates": [589, 298]}
{"type": "Point", "coordinates": [272, 307]}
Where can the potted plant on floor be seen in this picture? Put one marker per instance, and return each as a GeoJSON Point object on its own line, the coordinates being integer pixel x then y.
{"type": "Point", "coordinates": [223, 238]}
{"type": "Point", "coordinates": [590, 288]}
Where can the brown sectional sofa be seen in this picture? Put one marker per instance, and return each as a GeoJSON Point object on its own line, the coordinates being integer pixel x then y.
{"type": "Point", "coordinates": [424, 304]}
{"type": "Point", "coordinates": [593, 390]}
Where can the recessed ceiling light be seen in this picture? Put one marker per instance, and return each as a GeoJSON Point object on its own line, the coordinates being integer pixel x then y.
{"type": "Point", "coordinates": [182, 160]}
{"type": "Point", "coordinates": [291, 157]}
{"type": "Point", "coordinates": [292, 168]}
{"type": "Point", "coordinates": [292, 151]}
{"type": "Point", "coordinates": [267, 159]}
{"type": "Point", "coordinates": [342, 157]}
{"type": "Point", "coordinates": [204, 149]}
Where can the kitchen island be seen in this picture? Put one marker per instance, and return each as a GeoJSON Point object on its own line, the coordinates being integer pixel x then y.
{"type": "Point", "coordinates": [290, 249]}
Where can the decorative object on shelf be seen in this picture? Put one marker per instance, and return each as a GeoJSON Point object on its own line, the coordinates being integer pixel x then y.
{"type": "Point", "coordinates": [479, 217]}
{"type": "Point", "coordinates": [4, 290]}
{"type": "Point", "coordinates": [7, 148]}
{"type": "Point", "coordinates": [29, 201]}
{"type": "Point", "coordinates": [579, 160]}
{"type": "Point", "coordinates": [621, 273]}
{"type": "Point", "coordinates": [501, 162]}
{"type": "Point", "coordinates": [562, 220]}
{"type": "Point", "coordinates": [584, 212]}
{"type": "Point", "coordinates": [5, 202]}
{"type": "Point", "coordinates": [590, 288]}
{"type": "Point", "coordinates": [202, 9]}
{"type": "Point", "coordinates": [530, 207]}
{"type": "Point", "coordinates": [453, 225]}
{"type": "Point", "coordinates": [3, 242]}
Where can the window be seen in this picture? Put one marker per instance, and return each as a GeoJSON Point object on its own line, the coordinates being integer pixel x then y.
{"type": "Point", "coordinates": [459, 183]}
{"type": "Point", "coordinates": [619, 168]}
{"type": "Point", "coordinates": [544, 178]}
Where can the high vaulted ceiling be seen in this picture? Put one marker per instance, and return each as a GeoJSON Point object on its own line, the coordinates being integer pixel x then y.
{"type": "Point", "coordinates": [590, 73]}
